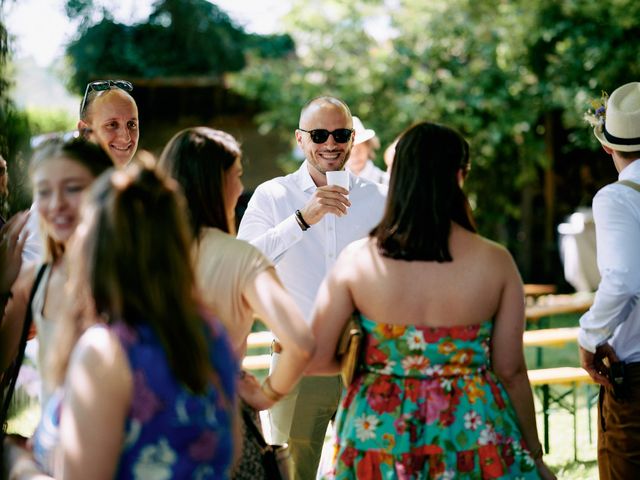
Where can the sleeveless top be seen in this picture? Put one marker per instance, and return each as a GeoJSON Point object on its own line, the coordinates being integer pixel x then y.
{"type": "Point", "coordinates": [426, 404]}
{"type": "Point", "coordinates": [169, 432]}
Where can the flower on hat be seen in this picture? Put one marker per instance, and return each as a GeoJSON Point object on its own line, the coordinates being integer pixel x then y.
{"type": "Point", "coordinates": [598, 112]}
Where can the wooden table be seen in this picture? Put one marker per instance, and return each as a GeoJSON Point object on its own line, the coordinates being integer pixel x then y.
{"type": "Point", "coordinates": [537, 289]}
{"type": "Point", "coordinates": [551, 305]}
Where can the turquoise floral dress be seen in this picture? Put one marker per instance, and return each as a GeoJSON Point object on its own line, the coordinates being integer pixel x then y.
{"type": "Point", "coordinates": [425, 404]}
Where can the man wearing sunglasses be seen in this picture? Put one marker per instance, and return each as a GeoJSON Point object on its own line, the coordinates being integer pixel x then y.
{"type": "Point", "coordinates": [109, 117]}
{"type": "Point", "coordinates": [302, 224]}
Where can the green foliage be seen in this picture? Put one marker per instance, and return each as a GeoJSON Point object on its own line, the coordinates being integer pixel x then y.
{"type": "Point", "coordinates": [499, 71]}
{"type": "Point", "coordinates": [47, 120]}
{"type": "Point", "coordinates": [180, 38]}
{"type": "Point", "coordinates": [14, 131]}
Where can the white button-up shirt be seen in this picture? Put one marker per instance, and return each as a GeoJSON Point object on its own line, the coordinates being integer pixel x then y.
{"type": "Point", "coordinates": [615, 314]}
{"type": "Point", "coordinates": [303, 259]}
{"type": "Point", "coordinates": [373, 173]}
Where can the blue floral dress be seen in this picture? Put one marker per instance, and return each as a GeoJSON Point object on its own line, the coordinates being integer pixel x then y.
{"type": "Point", "coordinates": [425, 404]}
{"type": "Point", "coordinates": [170, 433]}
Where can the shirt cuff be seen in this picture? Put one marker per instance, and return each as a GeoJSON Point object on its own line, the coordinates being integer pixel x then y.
{"type": "Point", "coordinates": [289, 230]}
{"type": "Point", "coordinates": [592, 338]}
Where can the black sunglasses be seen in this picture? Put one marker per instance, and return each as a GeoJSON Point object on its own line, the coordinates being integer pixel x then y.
{"type": "Point", "coordinates": [101, 85]}
{"type": "Point", "coordinates": [320, 135]}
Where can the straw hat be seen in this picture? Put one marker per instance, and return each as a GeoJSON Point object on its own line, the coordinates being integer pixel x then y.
{"type": "Point", "coordinates": [622, 122]}
{"type": "Point", "coordinates": [362, 134]}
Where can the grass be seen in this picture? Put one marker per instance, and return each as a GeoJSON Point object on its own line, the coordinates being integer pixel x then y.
{"type": "Point", "coordinates": [561, 454]}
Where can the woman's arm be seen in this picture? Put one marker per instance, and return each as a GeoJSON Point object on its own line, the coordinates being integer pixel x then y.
{"type": "Point", "coordinates": [334, 305]}
{"type": "Point", "coordinates": [19, 463]}
{"type": "Point", "coordinates": [16, 281]}
{"type": "Point", "coordinates": [98, 393]}
{"type": "Point", "coordinates": [14, 316]}
{"type": "Point", "coordinates": [270, 301]}
{"type": "Point", "coordinates": [12, 238]}
{"type": "Point", "coordinates": [507, 357]}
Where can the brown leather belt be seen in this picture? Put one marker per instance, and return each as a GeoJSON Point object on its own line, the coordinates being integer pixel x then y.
{"type": "Point", "coordinates": [276, 347]}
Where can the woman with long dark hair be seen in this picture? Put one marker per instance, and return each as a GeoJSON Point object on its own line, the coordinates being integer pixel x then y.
{"type": "Point", "coordinates": [441, 388]}
{"type": "Point", "coordinates": [236, 280]}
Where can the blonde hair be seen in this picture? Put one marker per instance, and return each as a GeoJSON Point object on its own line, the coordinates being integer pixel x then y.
{"type": "Point", "coordinates": [79, 150]}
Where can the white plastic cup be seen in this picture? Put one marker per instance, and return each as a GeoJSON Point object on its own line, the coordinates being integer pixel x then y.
{"type": "Point", "coordinates": [339, 178]}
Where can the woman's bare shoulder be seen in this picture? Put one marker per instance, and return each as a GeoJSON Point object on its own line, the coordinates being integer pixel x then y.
{"type": "Point", "coordinates": [493, 249]}
{"type": "Point", "coordinates": [354, 258]}
{"type": "Point", "coordinates": [98, 347]}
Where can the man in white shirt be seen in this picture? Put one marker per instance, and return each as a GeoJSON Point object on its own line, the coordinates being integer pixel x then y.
{"type": "Point", "coordinates": [610, 330]}
{"type": "Point", "coordinates": [302, 224]}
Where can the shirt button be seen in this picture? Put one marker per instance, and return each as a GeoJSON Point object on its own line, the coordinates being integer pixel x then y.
{"type": "Point", "coordinates": [330, 255]}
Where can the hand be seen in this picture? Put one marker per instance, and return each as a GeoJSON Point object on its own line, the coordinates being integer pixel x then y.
{"type": "Point", "coordinates": [250, 390]}
{"type": "Point", "coordinates": [544, 471]}
{"type": "Point", "coordinates": [597, 364]}
{"type": "Point", "coordinates": [19, 461]}
{"type": "Point", "coordinates": [12, 238]}
{"type": "Point", "coordinates": [327, 199]}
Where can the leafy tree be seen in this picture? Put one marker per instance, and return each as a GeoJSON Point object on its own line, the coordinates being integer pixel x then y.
{"type": "Point", "coordinates": [14, 131]}
{"type": "Point", "coordinates": [514, 76]}
{"type": "Point", "coordinates": [180, 38]}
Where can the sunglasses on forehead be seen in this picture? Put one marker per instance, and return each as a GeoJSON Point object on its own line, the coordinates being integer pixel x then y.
{"type": "Point", "coordinates": [320, 135]}
{"type": "Point", "coordinates": [101, 85]}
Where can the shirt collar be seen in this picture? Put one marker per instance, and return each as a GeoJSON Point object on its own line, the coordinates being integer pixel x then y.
{"type": "Point", "coordinates": [303, 177]}
{"type": "Point", "coordinates": [631, 171]}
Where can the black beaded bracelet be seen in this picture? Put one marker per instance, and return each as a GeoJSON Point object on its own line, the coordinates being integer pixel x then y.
{"type": "Point", "coordinates": [303, 225]}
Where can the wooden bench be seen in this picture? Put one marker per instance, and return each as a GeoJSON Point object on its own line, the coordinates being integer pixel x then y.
{"type": "Point", "coordinates": [557, 305]}
{"type": "Point", "coordinates": [550, 337]}
{"type": "Point", "coordinates": [573, 377]}
{"type": "Point", "coordinates": [260, 361]}
{"type": "Point", "coordinates": [256, 362]}
{"type": "Point", "coordinates": [537, 289]}
{"type": "Point", "coordinates": [259, 339]}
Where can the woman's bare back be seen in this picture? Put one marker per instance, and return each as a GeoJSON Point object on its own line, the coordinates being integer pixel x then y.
{"type": "Point", "coordinates": [465, 291]}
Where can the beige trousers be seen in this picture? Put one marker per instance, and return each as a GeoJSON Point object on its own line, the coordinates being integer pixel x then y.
{"type": "Point", "coordinates": [301, 420]}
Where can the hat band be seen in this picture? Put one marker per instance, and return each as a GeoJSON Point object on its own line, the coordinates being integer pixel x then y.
{"type": "Point", "coordinates": [618, 140]}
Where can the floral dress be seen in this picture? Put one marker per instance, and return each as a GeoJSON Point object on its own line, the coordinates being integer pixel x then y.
{"type": "Point", "coordinates": [170, 432]}
{"type": "Point", "coordinates": [425, 404]}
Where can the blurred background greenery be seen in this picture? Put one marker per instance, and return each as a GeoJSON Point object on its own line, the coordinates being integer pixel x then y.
{"type": "Point", "coordinates": [514, 76]}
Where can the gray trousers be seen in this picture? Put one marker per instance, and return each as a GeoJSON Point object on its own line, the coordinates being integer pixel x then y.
{"type": "Point", "coordinates": [301, 420]}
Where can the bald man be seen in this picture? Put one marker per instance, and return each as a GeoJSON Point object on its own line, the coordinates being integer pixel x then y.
{"type": "Point", "coordinates": [108, 117]}
{"type": "Point", "coordinates": [302, 224]}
